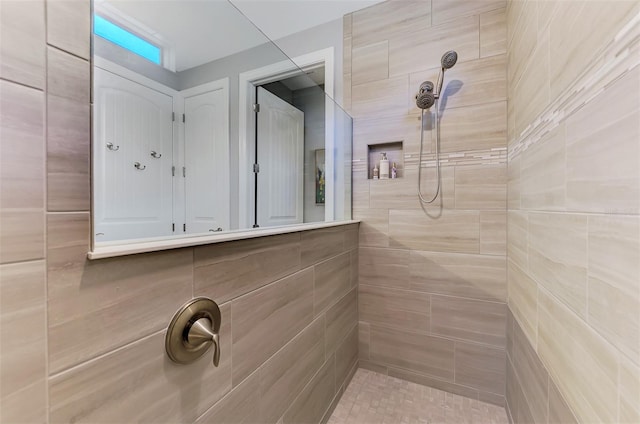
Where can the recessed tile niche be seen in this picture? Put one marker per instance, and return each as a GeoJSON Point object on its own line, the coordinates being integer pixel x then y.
{"type": "Point", "coordinates": [394, 153]}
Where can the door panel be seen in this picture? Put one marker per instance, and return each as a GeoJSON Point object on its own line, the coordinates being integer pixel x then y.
{"type": "Point", "coordinates": [281, 159]}
{"type": "Point", "coordinates": [131, 203]}
{"type": "Point", "coordinates": [207, 162]}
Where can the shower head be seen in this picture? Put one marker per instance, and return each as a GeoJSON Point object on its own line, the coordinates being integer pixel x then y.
{"type": "Point", "coordinates": [449, 59]}
{"type": "Point", "coordinates": [425, 97]}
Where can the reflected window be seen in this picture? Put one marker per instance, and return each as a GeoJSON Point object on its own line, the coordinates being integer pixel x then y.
{"type": "Point", "coordinates": [125, 39]}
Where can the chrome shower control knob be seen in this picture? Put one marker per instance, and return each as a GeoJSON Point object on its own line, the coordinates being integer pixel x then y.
{"type": "Point", "coordinates": [193, 330]}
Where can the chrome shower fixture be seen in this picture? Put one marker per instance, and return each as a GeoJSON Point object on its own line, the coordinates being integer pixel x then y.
{"type": "Point", "coordinates": [425, 97]}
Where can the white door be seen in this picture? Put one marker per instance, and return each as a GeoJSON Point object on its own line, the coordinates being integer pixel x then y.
{"type": "Point", "coordinates": [281, 160]}
{"type": "Point", "coordinates": [133, 126]}
{"type": "Point", "coordinates": [207, 162]}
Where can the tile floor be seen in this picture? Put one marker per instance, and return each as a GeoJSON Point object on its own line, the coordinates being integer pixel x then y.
{"type": "Point", "coordinates": [373, 398]}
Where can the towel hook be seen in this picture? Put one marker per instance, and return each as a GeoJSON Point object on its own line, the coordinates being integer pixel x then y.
{"type": "Point", "coordinates": [155, 154]}
{"type": "Point", "coordinates": [113, 148]}
{"type": "Point", "coordinates": [140, 167]}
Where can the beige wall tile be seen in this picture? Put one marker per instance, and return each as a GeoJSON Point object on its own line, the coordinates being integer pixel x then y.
{"type": "Point", "coordinates": [372, 366]}
{"type": "Point", "coordinates": [559, 411]}
{"type": "Point", "coordinates": [139, 383]}
{"type": "Point", "coordinates": [331, 281]}
{"type": "Point", "coordinates": [360, 187]}
{"type": "Point", "coordinates": [446, 10]}
{"type": "Point", "coordinates": [281, 310]}
{"type": "Point", "coordinates": [91, 304]}
{"type": "Point", "coordinates": [481, 187]}
{"type": "Point", "coordinates": [574, 41]}
{"type": "Point", "coordinates": [469, 319]}
{"type": "Point", "coordinates": [433, 382]}
{"type": "Point", "coordinates": [347, 25]}
{"type": "Point", "coordinates": [446, 197]}
{"type": "Point", "coordinates": [226, 271]}
{"type": "Point", "coordinates": [407, 53]}
{"type": "Point", "coordinates": [377, 130]}
{"type": "Point", "coordinates": [531, 371]}
{"type": "Point", "coordinates": [403, 309]}
{"type": "Point", "coordinates": [493, 32]}
{"type": "Point", "coordinates": [402, 193]}
{"type": "Point", "coordinates": [285, 374]}
{"type": "Point", "coordinates": [474, 127]}
{"type": "Point", "coordinates": [21, 171]}
{"type": "Point", "coordinates": [523, 36]}
{"type": "Point", "coordinates": [318, 245]}
{"type": "Point", "coordinates": [68, 155]}
{"type": "Point", "coordinates": [67, 76]}
{"type": "Point", "coordinates": [69, 26]}
{"type": "Point", "coordinates": [23, 59]}
{"type": "Point", "coordinates": [346, 357]}
{"type": "Point", "coordinates": [23, 342]}
{"type": "Point", "coordinates": [531, 91]}
{"type": "Point", "coordinates": [514, 186]}
{"type": "Point", "coordinates": [374, 227]}
{"type": "Point", "coordinates": [481, 367]}
{"type": "Point", "coordinates": [363, 340]}
{"type": "Point", "coordinates": [341, 318]}
{"type": "Point", "coordinates": [452, 231]}
{"type": "Point", "coordinates": [568, 347]}
{"type": "Point", "coordinates": [493, 233]}
{"type": "Point", "coordinates": [312, 403]}
{"type": "Point", "coordinates": [614, 281]}
{"type": "Point", "coordinates": [543, 173]}
{"type": "Point", "coordinates": [474, 276]}
{"type": "Point", "coordinates": [592, 186]}
{"type": "Point", "coordinates": [388, 19]}
{"type": "Point", "coordinates": [354, 264]}
{"type": "Point", "coordinates": [384, 267]}
{"type": "Point", "coordinates": [370, 63]}
{"type": "Point", "coordinates": [517, 238]}
{"type": "Point", "coordinates": [412, 351]}
{"type": "Point", "coordinates": [240, 406]}
{"type": "Point", "coordinates": [523, 301]}
{"type": "Point", "coordinates": [379, 98]}
{"type": "Point", "coordinates": [351, 236]}
{"type": "Point", "coordinates": [477, 82]}
{"type": "Point", "coordinates": [558, 256]}
{"type": "Point", "coordinates": [629, 394]}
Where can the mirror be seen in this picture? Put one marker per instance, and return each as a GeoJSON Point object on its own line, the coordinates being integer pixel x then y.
{"type": "Point", "coordinates": [202, 126]}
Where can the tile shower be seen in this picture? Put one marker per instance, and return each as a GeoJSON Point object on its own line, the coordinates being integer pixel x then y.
{"type": "Point", "coordinates": [520, 289]}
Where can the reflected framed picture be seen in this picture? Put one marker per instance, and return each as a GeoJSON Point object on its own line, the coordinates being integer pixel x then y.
{"type": "Point", "coordinates": [320, 182]}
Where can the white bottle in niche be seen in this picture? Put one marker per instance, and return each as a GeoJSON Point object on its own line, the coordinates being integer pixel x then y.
{"type": "Point", "coordinates": [384, 167]}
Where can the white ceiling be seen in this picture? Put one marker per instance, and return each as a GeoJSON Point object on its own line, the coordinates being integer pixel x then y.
{"type": "Point", "coordinates": [200, 31]}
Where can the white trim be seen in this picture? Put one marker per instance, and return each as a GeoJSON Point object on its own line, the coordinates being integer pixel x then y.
{"type": "Point", "coordinates": [151, 245]}
{"type": "Point", "coordinates": [246, 126]}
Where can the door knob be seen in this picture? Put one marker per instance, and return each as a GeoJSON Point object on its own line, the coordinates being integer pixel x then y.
{"type": "Point", "coordinates": [193, 330]}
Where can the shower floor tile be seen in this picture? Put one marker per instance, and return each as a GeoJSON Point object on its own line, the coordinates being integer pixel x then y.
{"type": "Point", "coordinates": [373, 398]}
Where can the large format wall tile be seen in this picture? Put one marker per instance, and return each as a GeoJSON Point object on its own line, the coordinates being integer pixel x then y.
{"type": "Point", "coordinates": [318, 245]}
{"type": "Point", "coordinates": [493, 232]}
{"type": "Point", "coordinates": [370, 63]}
{"type": "Point", "coordinates": [347, 357]}
{"type": "Point", "coordinates": [23, 386]}
{"type": "Point", "coordinates": [447, 10]}
{"type": "Point", "coordinates": [481, 187]}
{"type": "Point", "coordinates": [388, 307]}
{"type": "Point", "coordinates": [384, 267]}
{"type": "Point", "coordinates": [379, 98]}
{"type": "Point", "coordinates": [228, 270]}
{"type": "Point", "coordinates": [453, 274]}
{"type": "Point", "coordinates": [469, 319]}
{"type": "Point", "coordinates": [311, 403]}
{"type": "Point", "coordinates": [331, 281]}
{"type": "Point", "coordinates": [427, 354]}
{"type": "Point", "coordinates": [139, 383]}
{"type": "Point", "coordinates": [493, 32]}
{"type": "Point", "coordinates": [268, 318]}
{"type": "Point", "coordinates": [69, 26]}
{"type": "Point", "coordinates": [481, 367]}
{"type": "Point", "coordinates": [558, 256]}
{"type": "Point", "coordinates": [67, 76]}
{"type": "Point", "coordinates": [240, 406]}
{"type": "Point", "coordinates": [92, 304]}
{"type": "Point", "coordinates": [22, 172]}
{"type": "Point", "coordinates": [23, 58]}
{"type": "Point", "coordinates": [473, 127]}
{"type": "Point", "coordinates": [341, 318]}
{"type": "Point", "coordinates": [523, 300]}
{"type": "Point", "coordinates": [453, 231]}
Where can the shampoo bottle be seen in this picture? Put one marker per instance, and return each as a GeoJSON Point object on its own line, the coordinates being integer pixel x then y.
{"type": "Point", "coordinates": [384, 167]}
{"type": "Point", "coordinates": [394, 171]}
{"type": "Point", "coordinates": [375, 172]}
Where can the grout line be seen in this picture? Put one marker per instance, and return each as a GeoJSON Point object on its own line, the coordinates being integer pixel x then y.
{"type": "Point", "coordinates": [61, 50]}
{"type": "Point", "coordinates": [45, 216]}
{"type": "Point", "coordinates": [23, 84]}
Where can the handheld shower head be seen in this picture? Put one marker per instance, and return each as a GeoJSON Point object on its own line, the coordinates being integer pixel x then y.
{"type": "Point", "coordinates": [425, 97]}
{"type": "Point", "coordinates": [448, 60]}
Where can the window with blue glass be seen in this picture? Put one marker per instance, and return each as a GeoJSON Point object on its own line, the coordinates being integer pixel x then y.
{"type": "Point", "coordinates": [123, 38]}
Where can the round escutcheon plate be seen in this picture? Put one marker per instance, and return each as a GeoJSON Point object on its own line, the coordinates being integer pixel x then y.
{"type": "Point", "coordinates": [176, 344]}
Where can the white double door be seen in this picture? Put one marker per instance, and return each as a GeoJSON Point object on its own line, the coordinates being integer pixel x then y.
{"type": "Point", "coordinates": [280, 151]}
{"type": "Point", "coordinates": [155, 176]}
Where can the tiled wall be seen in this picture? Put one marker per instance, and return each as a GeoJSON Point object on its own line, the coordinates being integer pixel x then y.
{"type": "Point", "coordinates": [83, 341]}
{"type": "Point", "coordinates": [574, 203]}
{"type": "Point", "coordinates": [432, 293]}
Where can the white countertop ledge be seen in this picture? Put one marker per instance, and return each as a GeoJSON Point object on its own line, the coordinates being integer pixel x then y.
{"type": "Point", "coordinates": [114, 249]}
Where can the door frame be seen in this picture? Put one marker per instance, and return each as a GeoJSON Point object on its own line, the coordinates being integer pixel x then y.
{"type": "Point", "coordinates": [246, 126]}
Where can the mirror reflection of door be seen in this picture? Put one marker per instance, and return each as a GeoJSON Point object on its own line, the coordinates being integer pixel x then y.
{"type": "Point", "coordinates": [132, 159]}
{"type": "Point", "coordinates": [280, 147]}
{"type": "Point", "coordinates": [206, 162]}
